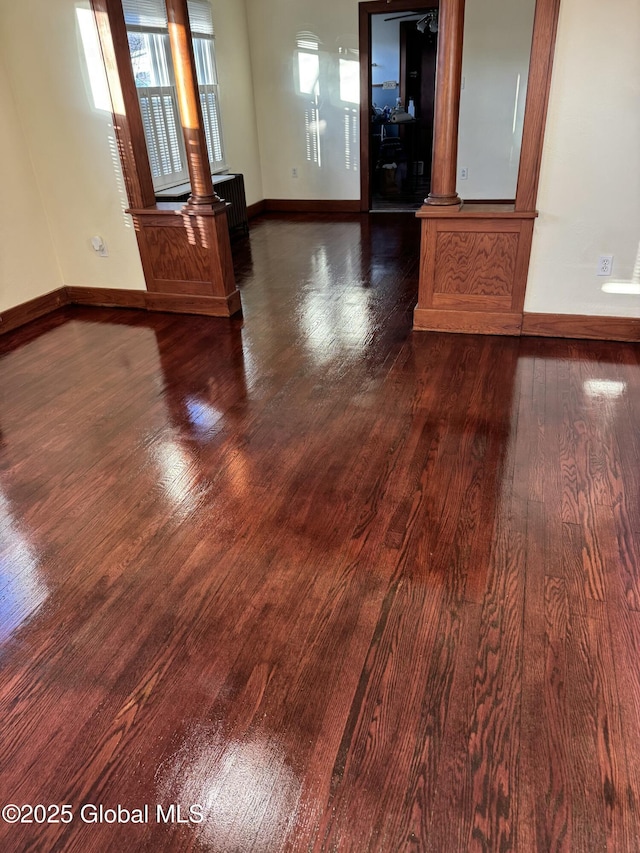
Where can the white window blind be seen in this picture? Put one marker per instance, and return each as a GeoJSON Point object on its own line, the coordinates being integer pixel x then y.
{"type": "Point", "coordinates": [146, 14]}
{"type": "Point", "coordinates": [152, 14]}
{"type": "Point", "coordinates": [200, 17]}
{"type": "Point", "coordinates": [211, 120]}
{"type": "Point", "coordinates": [163, 133]}
{"type": "Point", "coordinates": [150, 50]}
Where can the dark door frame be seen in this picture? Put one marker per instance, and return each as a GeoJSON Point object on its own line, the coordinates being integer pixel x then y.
{"type": "Point", "coordinates": [365, 11]}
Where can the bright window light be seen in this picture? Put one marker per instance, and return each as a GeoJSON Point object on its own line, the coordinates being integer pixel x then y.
{"type": "Point", "coordinates": [93, 58]}
{"type": "Point", "coordinates": [309, 72]}
{"type": "Point", "coordinates": [350, 81]}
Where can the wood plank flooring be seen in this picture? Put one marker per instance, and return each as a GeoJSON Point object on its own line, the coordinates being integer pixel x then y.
{"type": "Point", "coordinates": [333, 585]}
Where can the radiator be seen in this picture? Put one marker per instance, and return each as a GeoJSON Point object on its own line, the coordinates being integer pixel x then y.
{"type": "Point", "coordinates": [231, 189]}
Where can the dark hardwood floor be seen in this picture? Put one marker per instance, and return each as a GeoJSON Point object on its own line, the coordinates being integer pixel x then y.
{"type": "Point", "coordinates": [345, 587]}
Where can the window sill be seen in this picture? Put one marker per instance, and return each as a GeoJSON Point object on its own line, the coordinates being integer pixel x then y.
{"type": "Point", "coordinates": [183, 191]}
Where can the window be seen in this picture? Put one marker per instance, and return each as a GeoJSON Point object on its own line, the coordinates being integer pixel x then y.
{"type": "Point", "coordinates": [148, 34]}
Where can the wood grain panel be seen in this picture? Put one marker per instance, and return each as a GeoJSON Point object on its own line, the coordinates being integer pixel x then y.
{"type": "Point", "coordinates": [475, 263]}
{"type": "Point", "coordinates": [177, 254]}
{"type": "Point", "coordinates": [428, 240]}
{"type": "Point", "coordinates": [471, 302]}
{"type": "Point", "coordinates": [222, 269]}
{"type": "Point", "coordinates": [187, 252]}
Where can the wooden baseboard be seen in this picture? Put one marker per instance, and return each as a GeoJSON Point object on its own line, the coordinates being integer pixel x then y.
{"type": "Point", "coordinates": [106, 297]}
{"type": "Point", "coordinates": [176, 303]}
{"type": "Point", "coordinates": [582, 326]}
{"type": "Point", "coordinates": [290, 205]}
{"type": "Point", "coordinates": [12, 318]}
{"type": "Point", "coordinates": [466, 322]}
{"type": "Point", "coordinates": [256, 209]}
{"type": "Point", "coordinates": [208, 306]}
{"type": "Point", "coordinates": [531, 325]}
{"type": "Point", "coordinates": [425, 319]}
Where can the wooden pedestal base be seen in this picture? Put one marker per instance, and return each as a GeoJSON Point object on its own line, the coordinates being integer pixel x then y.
{"type": "Point", "coordinates": [473, 269]}
{"type": "Point", "coordinates": [186, 258]}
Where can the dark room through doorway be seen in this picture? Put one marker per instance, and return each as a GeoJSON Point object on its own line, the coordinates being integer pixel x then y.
{"type": "Point", "coordinates": [401, 95]}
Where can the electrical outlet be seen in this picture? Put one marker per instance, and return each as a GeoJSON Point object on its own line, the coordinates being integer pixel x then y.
{"type": "Point", "coordinates": [605, 264]}
{"type": "Point", "coordinates": [464, 173]}
{"type": "Point", "coordinates": [294, 173]}
{"type": "Point", "coordinates": [99, 247]}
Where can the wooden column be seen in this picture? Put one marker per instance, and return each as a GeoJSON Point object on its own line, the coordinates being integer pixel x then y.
{"type": "Point", "coordinates": [184, 65]}
{"type": "Point", "coordinates": [185, 250]}
{"type": "Point", "coordinates": [445, 126]}
{"type": "Point", "coordinates": [535, 116]}
{"type": "Point", "coordinates": [127, 121]}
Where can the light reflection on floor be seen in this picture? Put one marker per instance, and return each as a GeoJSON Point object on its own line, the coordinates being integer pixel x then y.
{"type": "Point", "coordinates": [22, 588]}
{"type": "Point", "coordinates": [241, 785]}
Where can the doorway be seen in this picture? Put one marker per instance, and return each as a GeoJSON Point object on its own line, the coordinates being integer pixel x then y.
{"type": "Point", "coordinates": [398, 72]}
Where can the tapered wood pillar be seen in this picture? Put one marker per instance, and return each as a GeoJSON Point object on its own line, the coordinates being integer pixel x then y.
{"type": "Point", "coordinates": [202, 192]}
{"type": "Point", "coordinates": [127, 121]}
{"type": "Point", "coordinates": [447, 109]}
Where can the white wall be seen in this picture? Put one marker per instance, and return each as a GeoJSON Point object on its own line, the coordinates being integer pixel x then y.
{"type": "Point", "coordinates": [237, 107]}
{"type": "Point", "coordinates": [61, 130]}
{"type": "Point", "coordinates": [28, 266]}
{"type": "Point", "coordinates": [493, 59]}
{"type": "Point", "coordinates": [589, 199]}
{"type": "Point", "coordinates": [495, 65]}
{"type": "Point", "coordinates": [71, 142]}
{"type": "Point", "coordinates": [273, 29]}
